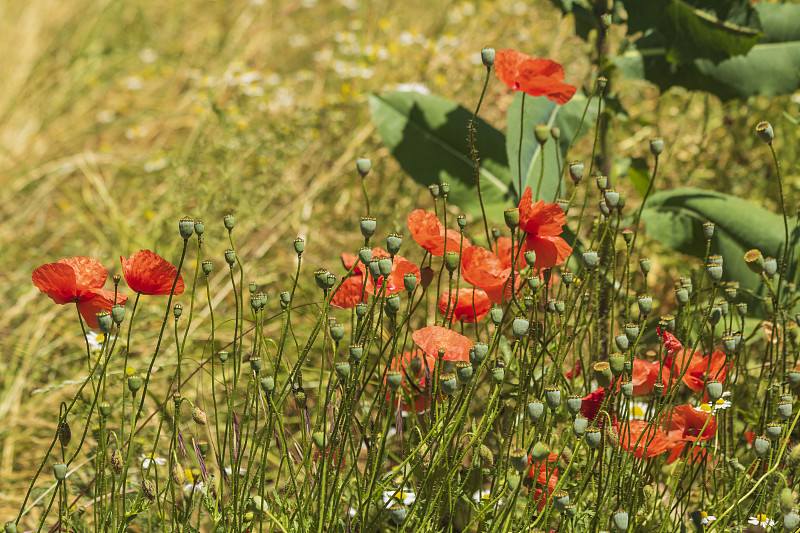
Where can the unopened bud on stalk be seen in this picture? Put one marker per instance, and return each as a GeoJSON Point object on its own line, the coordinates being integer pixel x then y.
{"type": "Point", "coordinates": [542, 133]}
{"type": "Point", "coordinates": [511, 216]}
{"type": "Point", "coordinates": [487, 57]}
{"type": "Point", "coordinates": [363, 166]}
{"type": "Point", "coordinates": [656, 146]}
{"type": "Point", "coordinates": [770, 266]}
{"type": "Point", "coordinates": [199, 416]}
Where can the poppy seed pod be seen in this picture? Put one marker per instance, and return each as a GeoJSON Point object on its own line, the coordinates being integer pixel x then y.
{"type": "Point", "coordinates": [593, 437]}
{"type": "Point", "coordinates": [255, 365]}
{"type": "Point", "coordinates": [393, 243]}
{"type": "Point", "coordinates": [520, 327]}
{"type": "Point", "coordinates": [602, 81]}
{"type": "Point", "coordinates": [770, 266]}
{"type": "Point", "coordinates": [434, 190]}
{"type": "Point", "coordinates": [574, 402]}
{"type": "Point", "coordinates": [394, 378]}
{"type": "Point", "coordinates": [268, 385]}
{"type": "Point", "coordinates": [299, 245]}
{"type": "Point", "coordinates": [398, 513]}
{"type": "Point", "coordinates": [590, 259]}
{"type": "Point", "coordinates": [511, 217]}
{"type": "Point", "coordinates": [563, 203]}
{"type": "Point", "coordinates": [632, 331]}
{"type": "Point", "coordinates": [105, 409]}
{"type": "Point", "coordinates": [761, 445]}
{"type": "Point", "coordinates": [498, 374]}
{"type": "Point", "coordinates": [321, 278]}
{"type": "Point", "coordinates": [616, 362]}
{"type": "Point", "coordinates": [368, 225]}
{"type": "Point", "coordinates": [461, 220]}
{"type": "Point", "coordinates": [714, 315]}
{"type": "Point", "coordinates": [539, 452]}
{"type": "Point", "coordinates": [622, 342]}
{"type": "Point", "coordinates": [773, 430]}
{"type": "Point", "coordinates": [478, 353]}
{"type": "Point", "coordinates": [518, 460]}
{"type": "Point", "coordinates": [385, 266]}
{"type": "Point", "coordinates": [627, 236]}
{"type": "Point", "coordinates": [790, 522]}
{"type": "Point", "coordinates": [393, 304]}
{"type": "Point", "coordinates": [448, 383]}
{"type": "Point", "coordinates": [451, 261]}
{"type": "Point", "coordinates": [644, 265]}
{"type": "Point", "coordinates": [656, 146]}
{"type": "Point", "coordinates": [230, 257]}
{"type": "Point", "coordinates": [793, 377]}
{"type": "Point", "coordinates": [223, 356]}
{"type": "Point", "coordinates": [754, 260]}
{"type": "Point", "coordinates": [708, 229]}
{"type": "Point", "coordinates": [552, 395]}
{"type": "Point", "coordinates": [605, 20]}
{"type": "Point", "coordinates": [602, 372]}
{"type": "Point", "coordinates": [365, 255]}
{"type": "Point", "coordinates": [343, 370]}
{"type": "Point", "coordinates": [714, 390]}
{"type": "Point", "coordinates": [60, 471]}
{"type": "Point", "coordinates": [464, 371]}
{"type": "Point", "coordinates": [361, 309]}
{"type": "Point", "coordinates": [104, 321]}
{"type": "Point", "coordinates": [228, 221]}
{"type": "Point", "coordinates": [530, 258]}
{"type": "Point", "coordinates": [682, 296]}
{"type": "Point", "coordinates": [620, 521]}
{"type": "Point", "coordinates": [728, 344]}
{"type": "Point", "coordinates": [10, 527]}
{"type": "Point", "coordinates": [410, 282]}
{"type": "Point", "coordinates": [611, 197]}
{"type": "Point", "coordinates": [496, 314]}
{"type": "Point", "coordinates": [602, 183]}
{"type": "Point", "coordinates": [445, 189]}
{"type": "Point", "coordinates": [495, 233]}
{"type": "Point", "coordinates": [487, 57]}
{"type": "Point", "coordinates": [604, 210]}
{"type": "Point", "coordinates": [560, 500]}
{"type": "Point", "coordinates": [207, 266]}
{"type": "Point", "coordinates": [337, 331]}
{"type": "Point", "coordinates": [784, 410]}
{"type": "Point", "coordinates": [199, 227]}
{"type": "Point", "coordinates": [186, 227]}
{"type": "Point", "coordinates": [764, 132]}
{"type": "Point", "coordinates": [535, 410]}
{"type": "Point", "coordinates": [627, 389]}
{"type": "Point", "coordinates": [714, 272]}
{"type": "Point", "coordinates": [567, 277]}
{"type": "Point", "coordinates": [253, 286]}
{"type": "Point", "coordinates": [542, 133]}
{"type": "Point", "coordinates": [579, 425]}
{"type": "Point", "coordinates": [363, 165]}
{"type": "Point", "coordinates": [645, 304]}
{"type": "Point", "coordinates": [576, 171]}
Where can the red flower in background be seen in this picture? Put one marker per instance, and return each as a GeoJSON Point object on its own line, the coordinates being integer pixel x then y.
{"type": "Point", "coordinates": [429, 233]}
{"type": "Point", "coordinates": [350, 292]}
{"type": "Point", "coordinates": [502, 249]}
{"type": "Point", "coordinates": [79, 280]}
{"type": "Point", "coordinates": [545, 475]}
{"type": "Point", "coordinates": [470, 305]}
{"type": "Point", "coordinates": [433, 338]}
{"type": "Point", "coordinates": [533, 76]}
{"type": "Point", "coordinates": [695, 374]}
{"type": "Point", "coordinates": [543, 223]}
{"type": "Point", "coordinates": [645, 375]}
{"type": "Point", "coordinates": [414, 379]}
{"type": "Point", "coordinates": [591, 403]}
{"type": "Point", "coordinates": [148, 273]}
{"type": "Point", "coordinates": [686, 426]}
{"type": "Point", "coordinates": [644, 437]}
{"type": "Point", "coordinates": [485, 270]}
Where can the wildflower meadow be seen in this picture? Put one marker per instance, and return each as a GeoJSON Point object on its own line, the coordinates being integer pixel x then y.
{"type": "Point", "coordinates": [378, 276]}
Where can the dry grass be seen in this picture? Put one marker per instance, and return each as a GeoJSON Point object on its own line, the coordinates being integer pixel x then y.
{"type": "Point", "coordinates": [85, 113]}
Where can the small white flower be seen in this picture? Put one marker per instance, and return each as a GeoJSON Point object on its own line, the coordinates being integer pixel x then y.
{"type": "Point", "coordinates": [148, 55]}
{"type": "Point", "coordinates": [721, 403]}
{"type": "Point", "coordinates": [133, 83]}
{"type": "Point", "coordinates": [148, 458]}
{"type": "Point", "coordinates": [192, 487]}
{"type": "Point", "coordinates": [482, 496]}
{"type": "Point", "coordinates": [105, 116]}
{"type": "Point", "coordinates": [405, 497]}
{"type": "Point", "coordinates": [229, 471]}
{"type": "Point", "coordinates": [414, 87]}
{"type": "Point", "coordinates": [639, 410]}
{"type": "Point", "coordinates": [761, 520]}
{"type": "Point", "coordinates": [155, 164]}
{"type": "Point", "coordinates": [705, 518]}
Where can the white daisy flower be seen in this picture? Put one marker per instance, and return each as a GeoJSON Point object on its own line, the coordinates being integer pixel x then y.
{"type": "Point", "coordinates": [761, 520]}
{"type": "Point", "coordinates": [639, 410]}
{"type": "Point", "coordinates": [404, 497]}
{"type": "Point", "coordinates": [229, 471]}
{"type": "Point", "coordinates": [705, 518]}
{"type": "Point", "coordinates": [721, 403]}
{"type": "Point", "coordinates": [148, 458]}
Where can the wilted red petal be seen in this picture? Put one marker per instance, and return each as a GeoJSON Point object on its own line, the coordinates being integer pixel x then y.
{"type": "Point", "coordinates": [428, 232]}
{"type": "Point", "coordinates": [148, 273]}
{"type": "Point", "coordinates": [349, 294]}
{"type": "Point", "coordinates": [103, 300]}
{"type": "Point", "coordinates": [671, 343]}
{"type": "Point", "coordinates": [433, 338]}
{"type": "Point", "coordinates": [463, 307]}
{"type": "Point", "coordinates": [644, 437]}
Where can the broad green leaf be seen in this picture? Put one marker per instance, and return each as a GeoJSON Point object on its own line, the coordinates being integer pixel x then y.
{"type": "Point", "coordinates": [427, 135]}
{"type": "Point", "coordinates": [675, 218]}
{"type": "Point", "coordinates": [540, 110]}
{"type": "Point", "coordinates": [639, 173]}
{"type": "Point", "coordinates": [771, 67]}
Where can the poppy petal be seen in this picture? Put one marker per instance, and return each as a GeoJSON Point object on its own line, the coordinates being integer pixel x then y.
{"type": "Point", "coordinates": [148, 273]}
{"type": "Point", "coordinates": [429, 232]}
{"type": "Point", "coordinates": [468, 305]}
{"type": "Point", "coordinates": [550, 251]}
{"type": "Point", "coordinates": [89, 273]}
{"type": "Point", "coordinates": [349, 294]}
{"type": "Point", "coordinates": [542, 219]}
{"type": "Point", "coordinates": [433, 338]}
{"type": "Point", "coordinates": [57, 280]}
{"type": "Point", "coordinates": [103, 300]}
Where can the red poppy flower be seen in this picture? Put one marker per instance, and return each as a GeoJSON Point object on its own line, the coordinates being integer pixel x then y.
{"type": "Point", "coordinates": [543, 223]}
{"type": "Point", "coordinates": [502, 249]}
{"type": "Point", "coordinates": [429, 233]}
{"type": "Point", "coordinates": [545, 475]}
{"type": "Point", "coordinates": [80, 280]}
{"type": "Point", "coordinates": [686, 426]}
{"type": "Point", "coordinates": [533, 76]}
{"type": "Point", "coordinates": [645, 375]}
{"type": "Point", "coordinates": [591, 403]}
{"type": "Point", "coordinates": [671, 343]}
{"type": "Point", "coordinates": [433, 338]}
{"type": "Point", "coordinates": [574, 372]}
{"type": "Point", "coordinates": [469, 305]}
{"type": "Point", "coordinates": [696, 366]}
{"type": "Point", "coordinates": [644, 437]}
{"type": "Point", "coordinates": [350, 292]}
{"type": "Point", "coordinates": [485, 270]}
{"type": "Point", "coordinates": [148, 273]}
{"type": "Point", "coordinates": [414, 379]}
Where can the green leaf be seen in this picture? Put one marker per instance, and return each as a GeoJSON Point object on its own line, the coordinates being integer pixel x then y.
{"type": "Point", "coordinates": [427, 135]}
{"type": "Point", "coordinates": [639, 174]}
{"type": "Point", "coordinates": [540, 110]}
{"type": "Point", "coordinates": [771, 67]}
{"type": "Point", "coordinates": [675, 218]}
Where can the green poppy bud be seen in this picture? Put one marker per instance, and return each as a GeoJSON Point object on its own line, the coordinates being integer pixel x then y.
{"type": "Point", "coordinates": [511, 216]}
{"type": "Point", "coordinates": [363, 165]}
{"type": "Point", "coordinates": [434, 190]}
{"type": "Point", "coordinates": [611, 197]}
{"type": "Point", "coordinates": [496, 314]}
{"type": "Point", "coordinates": [398, 513]}
{"type": "Point", "coordinates": [656, 146]}
{"type": "Point", "coordinates": [487, 57]}
{"type": "Point", "coordinates": [579, 425]}
{"type": "Point", "coordinates": [410, 282]}
{"type": "Point", "coordinates": [393, 304]}
{"type": "Point", "coordinates": [321, 278]}
{"type": "Point", "coordinates": [461, 220]}
{"type": "Point", "coordinates": [708, 229]}
{"type": "Point", "coordinates": [445, 189]}
{"type": "Point", "coordinates": [60, 471]}
{"type": "Point", "coordinates": [207, 266]}
{"type": "Point", "coordinates": [361, 309]}
{"type": "Point", "coordinates": [268, 385]}
{"type": "Point", "coordinates": [479, 353]}
{"type": "Point", "coordinates": [542, 133]}
{"type": "Point", "coordinates": [790, 522]}
{"type": "Point", "coordinates": [385, 266]}
{"type": "Point", "coordinates": [714, 273]}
